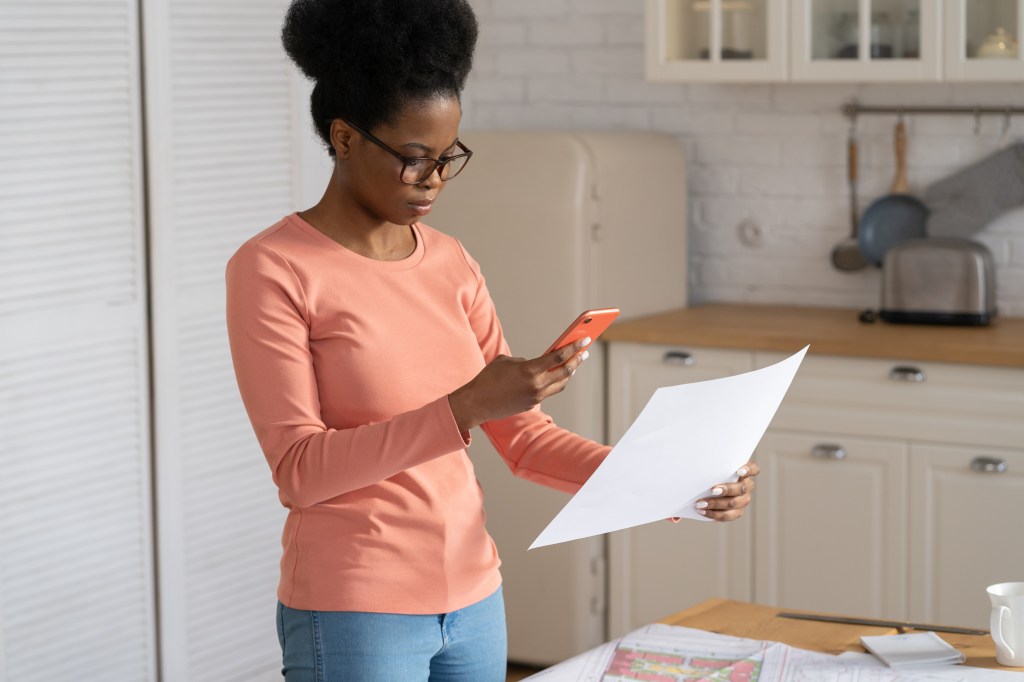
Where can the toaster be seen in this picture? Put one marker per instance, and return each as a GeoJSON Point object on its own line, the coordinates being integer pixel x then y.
{"type": "Point", "coordinates": [938, 280]}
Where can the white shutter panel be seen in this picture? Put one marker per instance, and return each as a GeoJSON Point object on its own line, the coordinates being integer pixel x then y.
{"type": "Point", "coordinates": [76, 596]}
{"type": "Point", "coordinates": [221, 136]}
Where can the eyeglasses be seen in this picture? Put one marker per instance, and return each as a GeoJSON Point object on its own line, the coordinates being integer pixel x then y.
{"type": "Point", "coordinates": [416, 169]}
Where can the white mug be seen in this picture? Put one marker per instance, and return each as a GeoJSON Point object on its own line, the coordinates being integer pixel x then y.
{"type": "Point", "coordinates": [1007, 622]}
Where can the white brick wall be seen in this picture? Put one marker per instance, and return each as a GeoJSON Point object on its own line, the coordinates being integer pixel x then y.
{"type": "Point", "coordinates": [773, 154]}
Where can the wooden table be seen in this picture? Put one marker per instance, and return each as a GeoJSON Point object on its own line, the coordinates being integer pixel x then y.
{"type": "Point", "coordinates": [743, 619]}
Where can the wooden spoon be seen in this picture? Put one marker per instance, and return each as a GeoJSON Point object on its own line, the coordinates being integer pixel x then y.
{"type": "Point", "coordinates": [900, 185]}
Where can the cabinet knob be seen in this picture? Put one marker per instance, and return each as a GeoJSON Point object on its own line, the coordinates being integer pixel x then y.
{"type": "Point", "coordinates": [989, 465]}
{"type": "Point", "coordinates": [906, 373]}
{"type": "Point", "coordinates": [678, 357]}
{"type": "Point", "coordinates": [828, 451]}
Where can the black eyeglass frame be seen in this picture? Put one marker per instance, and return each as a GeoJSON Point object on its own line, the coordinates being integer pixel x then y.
{"type": "Point", "coordinates": [467, 153]}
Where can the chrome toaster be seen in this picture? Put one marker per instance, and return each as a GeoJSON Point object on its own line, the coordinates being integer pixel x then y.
{"type": "Point", "coordinates": [938, 280]}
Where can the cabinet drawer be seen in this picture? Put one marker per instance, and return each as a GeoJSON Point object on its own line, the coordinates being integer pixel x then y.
{"type": "Point", "coordinates": [907, 400]}
{"type": "Point", "coordinates": [636, 370]}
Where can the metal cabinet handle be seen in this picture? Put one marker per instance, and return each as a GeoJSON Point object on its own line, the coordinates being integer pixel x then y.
{"type": "Point", "coordinates": [906, 373]}
{"type": "Point", "coordinates": [989, 465]}
{"type": "Point", "coordinates": [828, 451]}
{"type": "Point", "coordinates": [678, 357]}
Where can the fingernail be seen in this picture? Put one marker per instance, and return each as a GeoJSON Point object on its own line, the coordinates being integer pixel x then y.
{"type": "Point", "coordinates": [717, 490]}
{"type": "Point", "coordinates": [743, 471]}
{"type": "Point", "coordinates": [586, 354]}
{"type": "Point", "coordinates": [585, 342]}
{"type": "Point", "coordinates": [702, 512]}
{"type": "Point", "coordinates": [572, 371]}
{"type": "Point", "coordinates": [702, 505]}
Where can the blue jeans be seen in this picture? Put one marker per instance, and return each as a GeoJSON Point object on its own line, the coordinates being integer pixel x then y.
{"type": "Point", "coordinates": [468, 645]}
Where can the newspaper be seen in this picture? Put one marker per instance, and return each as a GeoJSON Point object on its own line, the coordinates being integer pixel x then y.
{"type": "Point", "coordinates": [670, 653]}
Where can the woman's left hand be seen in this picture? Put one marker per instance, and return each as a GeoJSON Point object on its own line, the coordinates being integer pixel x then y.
{"type": "Point", "coordinates": [729, 504]}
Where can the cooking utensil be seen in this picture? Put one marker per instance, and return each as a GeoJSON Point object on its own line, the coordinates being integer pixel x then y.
{"type": "Point", "coordinates": [846, 255]}
{"type": "Point", "coordinates": [895, 217]}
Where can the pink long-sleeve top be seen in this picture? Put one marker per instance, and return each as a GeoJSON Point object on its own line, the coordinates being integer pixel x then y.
{"type": "Point", "coordinates": [344, 364]}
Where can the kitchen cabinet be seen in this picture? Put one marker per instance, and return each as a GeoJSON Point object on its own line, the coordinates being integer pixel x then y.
{"type": "Point", "coordinates": [834, 40]}
{"type": "Point", "coordinates": [886, 484]}
{"type": "Point", "coordinates": [831, 523]}
{"type": "Point", "coordinates": [981, 40]}
{"type": "Point", "coordinates": [660, 563]}
{"type": "Point", "coordinates": [931, 420]}
{"type": "Point", "coordinates": [716, 40]}
{"type": "Point", "coordinates": [865, 40]}
{"type": "Point", "coordinates": [965, 506]}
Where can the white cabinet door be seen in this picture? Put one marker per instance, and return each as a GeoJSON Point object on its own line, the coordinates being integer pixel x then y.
{"type": "Point", "coordinates": [716, 40]}
{"type": "Point", "coordinates": [661, 567]}
{"type": "Point", "coordinates": [982, 40]}
{"type": "Point", "coordinates": [966, 506]}
{"type": "Point", "coordinates": [865, 40]}
{"type": "Point", "coordinates": [222, 137]}
{"type": "Point", "coordinates": [831, 524]}
{"type": "Point", "coordinates": [76, 548]}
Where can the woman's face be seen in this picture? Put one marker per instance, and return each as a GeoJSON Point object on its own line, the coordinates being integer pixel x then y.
{"type": "Point", "coordinates": [422, 128]}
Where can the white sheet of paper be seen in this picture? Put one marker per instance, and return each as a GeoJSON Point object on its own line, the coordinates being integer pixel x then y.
{"type": "Point", "coordinates": [687, 439]}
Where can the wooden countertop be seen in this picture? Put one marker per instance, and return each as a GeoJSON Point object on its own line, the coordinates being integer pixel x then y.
{"type": "Point", "coordinates": [829, 331]}
{"type": "Point", "coordinates": [743, 619]}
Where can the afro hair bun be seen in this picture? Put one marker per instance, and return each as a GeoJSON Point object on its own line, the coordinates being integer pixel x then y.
{"type": "Point", "coordinates": [368, 56]}
{"type": "Point", "coordinates": [333, 37]}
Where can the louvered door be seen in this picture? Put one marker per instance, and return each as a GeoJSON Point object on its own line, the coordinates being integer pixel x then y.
{"type": "Point", "coordinates": [76, 595]}
{"type": "Point", "coordinates": [221, 130]}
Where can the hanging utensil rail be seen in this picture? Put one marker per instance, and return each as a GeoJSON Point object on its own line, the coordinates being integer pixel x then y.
{"type": "Point", "coordinates": [854, 109]}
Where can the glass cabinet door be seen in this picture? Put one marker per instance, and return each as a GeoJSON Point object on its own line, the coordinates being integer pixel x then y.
{"type": "Point", "coordinates": [870, 40]}
{"type": "Point", "coordinates": [983, 40]}
{"type": "Point", "coordinates": [715, 40]}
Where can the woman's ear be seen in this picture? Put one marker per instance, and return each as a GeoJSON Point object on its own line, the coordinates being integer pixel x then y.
{"type": "Point", "coordinates": [341, 137]}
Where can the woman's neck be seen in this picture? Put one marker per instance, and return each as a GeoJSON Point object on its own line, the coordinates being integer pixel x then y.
{"type": "Point", "coordinates": [356, 231]}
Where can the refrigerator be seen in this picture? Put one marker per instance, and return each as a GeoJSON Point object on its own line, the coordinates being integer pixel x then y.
{"type": "Point", "coordinates": [561, 222]}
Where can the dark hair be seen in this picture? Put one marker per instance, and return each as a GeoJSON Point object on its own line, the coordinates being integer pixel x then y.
{"type": "Point", "coordinates": [369, 57]}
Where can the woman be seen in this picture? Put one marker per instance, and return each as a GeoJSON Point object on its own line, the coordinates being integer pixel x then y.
{"type": "Point", "coordinates": [366, 347]}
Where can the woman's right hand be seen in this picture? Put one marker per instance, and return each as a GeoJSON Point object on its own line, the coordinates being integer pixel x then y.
{"type": "Point", "coordinates": [509, 386]}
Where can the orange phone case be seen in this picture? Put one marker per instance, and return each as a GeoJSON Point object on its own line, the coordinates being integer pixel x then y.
{"type": "Point", "coordinates": [590, 323]}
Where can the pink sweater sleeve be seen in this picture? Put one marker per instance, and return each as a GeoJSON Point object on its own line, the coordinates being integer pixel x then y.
{"type": "Point", "coordinates": [533, 447]}
{"type": "Point", "coordinates": [268, 330]}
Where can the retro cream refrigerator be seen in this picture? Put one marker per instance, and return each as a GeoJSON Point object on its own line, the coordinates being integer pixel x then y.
{"type": "Point", "coordinates": [562, 222]}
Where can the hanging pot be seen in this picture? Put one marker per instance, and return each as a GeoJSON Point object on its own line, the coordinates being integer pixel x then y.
{"type": "Point", "coordinates": [895, 217]}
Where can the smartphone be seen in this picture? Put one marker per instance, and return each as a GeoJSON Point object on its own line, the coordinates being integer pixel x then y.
{"type": "Point", "coordinates": [590, 323]}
